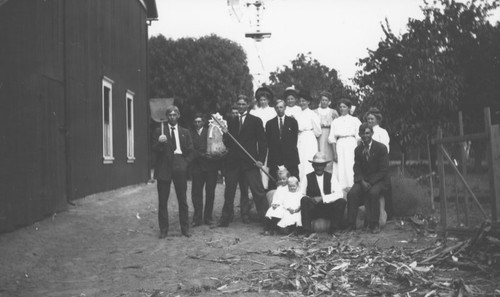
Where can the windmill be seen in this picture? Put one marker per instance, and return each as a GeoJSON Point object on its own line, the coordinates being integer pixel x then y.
{"type": "Point", "coordinates": [249, 13]}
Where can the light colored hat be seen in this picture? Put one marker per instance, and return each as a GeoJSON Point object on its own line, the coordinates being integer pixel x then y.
{"type": "Point", "coordinates": [291, 91]}
{"type": "Point", "coordinates": [319, 158]}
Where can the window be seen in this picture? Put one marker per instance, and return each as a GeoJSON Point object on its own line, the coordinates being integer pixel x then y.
{"type": "Point", "coordinates": [130, 126]}
{"type": "Point", "coordinates": [107, 120]}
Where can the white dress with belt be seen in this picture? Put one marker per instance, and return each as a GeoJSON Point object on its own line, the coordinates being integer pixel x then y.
{"type": "Point", "coordinates": [326, 116]}
{"type": "Point", "coordinates": [307, 143]}
{"type": "Point", "coordinates": [344, 132]}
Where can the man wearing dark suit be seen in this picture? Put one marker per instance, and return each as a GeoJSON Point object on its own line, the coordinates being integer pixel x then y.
{"type": "Point", "coordinates": [204, 172]}
{"type": "Point", "coordinates": [173, 153]}
{"type": "Point", "coordinates": [323, 198]}
{"type": "Point", "coordinates": [371, 167]}
{"type": "Point", "coordinates": [248, 130]}
{"type": "Point", "coordinates": [281, 135]}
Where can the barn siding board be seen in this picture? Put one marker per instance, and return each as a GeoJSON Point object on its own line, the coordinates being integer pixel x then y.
{"type": "Point", "coordinates": [32, 80]}
{"type": "Point", "coordinates": [110, 52]}
{"type": "Point", "coordinates": [53, 57]}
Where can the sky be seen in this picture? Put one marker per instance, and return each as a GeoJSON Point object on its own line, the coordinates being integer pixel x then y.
{"type": "Point", "coordinates": [336, 32]}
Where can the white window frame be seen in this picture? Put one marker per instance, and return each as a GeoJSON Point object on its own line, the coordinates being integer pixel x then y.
{"type": "Point", "coordinates": [129, 97]}
{"type": "Point", "coordinates": [107, 128]}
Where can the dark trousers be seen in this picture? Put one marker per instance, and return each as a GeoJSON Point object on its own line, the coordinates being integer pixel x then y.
{"type": "Point", "coordinates": [271, 224]}
{"type": "Point", "coordinates": [208, 179]}
{"type": "Point", "coordinates": [273, 171]}
{"type": "Point", "coordinates": [179, 177]}
{"type": "Point", "coordinates": [253, 179]}
{"type": "Point", "coordinates": [311, 210]}
{"type": "Point", "coordinates": [371, 199]}
{"type": "Point", "coordinates": [389, 208]}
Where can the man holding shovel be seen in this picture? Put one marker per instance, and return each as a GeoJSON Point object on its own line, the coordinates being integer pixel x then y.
{"type": "Point", "coordinates": [173, 149]}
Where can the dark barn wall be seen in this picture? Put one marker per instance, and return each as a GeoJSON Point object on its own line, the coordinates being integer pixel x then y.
{"type": "Point", "coordinates": [32, 114]}
{"type": "Point", "coordinates": [105, 38]}
{"type": "Point", "coordinates": [53, 56]}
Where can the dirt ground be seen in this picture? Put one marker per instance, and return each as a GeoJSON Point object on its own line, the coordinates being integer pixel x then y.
{"type": "Point", "coordinates": [107, 245]}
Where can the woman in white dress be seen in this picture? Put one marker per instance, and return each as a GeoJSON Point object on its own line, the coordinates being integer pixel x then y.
{"type": "Point", "coordinates": [373, 117]}
{"type": "Point", "coordinates": [291, 98]}
{"type": "Point", "coordinates": [264, 95]}
{"type": "Point", "coordinates": [265, 112]}
{"type": "Point", "coordinates": [309, 131]}
{"type": "Point", "coordinates": [326, 116]}
{"type": "Point", "coordinates": [344, 139]}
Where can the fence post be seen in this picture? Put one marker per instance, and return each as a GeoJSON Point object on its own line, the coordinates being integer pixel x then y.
{"type": "Point", "coordinates": [494, 167]}
{"type": "Point", "coordinates": [442, 181]}
{"type": "Point", "coordinates": [492, 155]}
{"type": "Point", "coordinates": [430, 171]}
{"type": "Point", "coordinates": [464, 167]}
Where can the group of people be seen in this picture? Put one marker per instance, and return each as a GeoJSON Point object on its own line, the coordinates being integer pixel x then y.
{"type": "Point", "coordinates": [299, 164]}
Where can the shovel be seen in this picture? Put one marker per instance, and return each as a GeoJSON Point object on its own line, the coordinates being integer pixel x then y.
{"type": "Point", "coordinates": [158, 107]}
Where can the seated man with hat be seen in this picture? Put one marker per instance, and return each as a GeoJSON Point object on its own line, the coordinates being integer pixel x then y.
{"type": "Point", "coordinates": [324, 196]}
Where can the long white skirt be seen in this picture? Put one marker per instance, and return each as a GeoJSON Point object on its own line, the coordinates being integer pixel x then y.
{"type": "Point", "coordinates": [327, 149]}
{"type": "Point", "coordinates": [345, 154]}
{"type": "Point", "coordinates": [307, 145]}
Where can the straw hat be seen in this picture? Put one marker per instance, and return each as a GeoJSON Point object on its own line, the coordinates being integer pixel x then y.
{"type": "Point", "coordinates": [319, 158]}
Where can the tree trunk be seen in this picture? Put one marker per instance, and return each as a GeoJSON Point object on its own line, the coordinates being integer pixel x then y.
{"type": "Point", "coordinates": [403, 159]}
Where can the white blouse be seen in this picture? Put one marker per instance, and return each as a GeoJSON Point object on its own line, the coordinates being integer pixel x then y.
{"type": "Point", "coordinates": [344, 126]}
{"type": "Point", "coordinates": [292, 111]}
{"type": "Point", "coordinates": [265, 114]}
{"type": "Point", "coordinates": [326, 116]}
{"type": "Point", "coordinates": [308, 120]}
{"type": "Point", "coordinates": [381, 135]}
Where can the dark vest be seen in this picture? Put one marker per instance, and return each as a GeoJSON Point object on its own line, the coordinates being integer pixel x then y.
{"type": "Point", "coordinates": [313, 187]}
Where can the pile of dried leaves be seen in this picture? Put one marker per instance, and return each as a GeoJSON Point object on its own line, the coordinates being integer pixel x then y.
{"type": "Point", "coordinates": [480, 252]}
{"type": "Point", "coordinates": [346, 270]}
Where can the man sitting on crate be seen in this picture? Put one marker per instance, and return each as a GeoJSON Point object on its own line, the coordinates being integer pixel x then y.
{"type": "Point", "coordinates": [371, 178]}
{"type": "Point", "coordinates": [324, 198]}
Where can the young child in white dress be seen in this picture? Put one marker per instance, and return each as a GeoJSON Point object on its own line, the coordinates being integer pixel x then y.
{"type": "Point", "coordinates": [276, 211]}
{"type": "Point", "coordinates": [291, 204]}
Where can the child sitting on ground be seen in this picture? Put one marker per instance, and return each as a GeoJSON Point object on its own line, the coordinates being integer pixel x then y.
{"type": "Point", "coordinates": [275, 211]}
{"type": "Point", "coordinates": [291, 204]}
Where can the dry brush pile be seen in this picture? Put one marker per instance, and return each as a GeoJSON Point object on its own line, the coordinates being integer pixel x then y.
{"type": "Point", "coordinates": [466, 268]}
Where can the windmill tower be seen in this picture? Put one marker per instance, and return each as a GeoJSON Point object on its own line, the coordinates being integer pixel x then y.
{"type": "Point", "coordinates": [249, 14]}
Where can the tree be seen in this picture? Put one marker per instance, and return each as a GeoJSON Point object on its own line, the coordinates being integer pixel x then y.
{"type": "Point", "coordinates": [423, 77]}
{"type": "Point", "coordinates": [306, 72]}
{"type": "Point", "coordinates": [203, 75]}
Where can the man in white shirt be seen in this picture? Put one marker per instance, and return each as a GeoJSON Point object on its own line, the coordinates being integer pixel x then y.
{"type": "Point", "coordinates": [173, 150]}
{"type": "Point", "coordinates": [324, 196]}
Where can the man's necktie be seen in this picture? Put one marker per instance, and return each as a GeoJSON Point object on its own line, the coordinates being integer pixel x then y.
{"type": "Point", "coordinates": [174, 142]}
{"type": "Point", "coordinates": [241, 123]}
{"type": "Point", "coordinates": [366, 152]}
{"type": "Point", "coordinates": [281, 127]}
